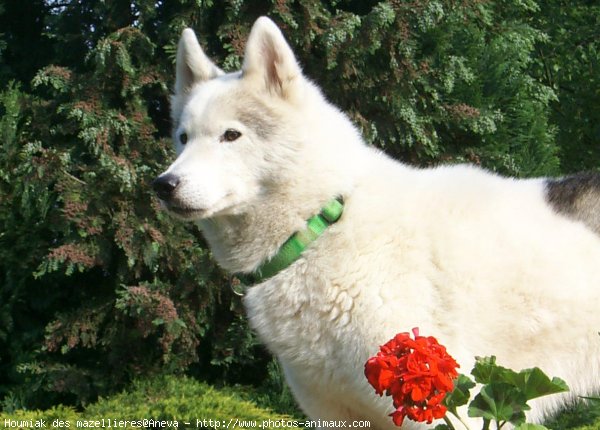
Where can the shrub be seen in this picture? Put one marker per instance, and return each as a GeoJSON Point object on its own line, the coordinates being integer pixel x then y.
{"type": "Point", "coordinates": [164, 398]}
{"type": "Point", "coordinates": [98, 286]}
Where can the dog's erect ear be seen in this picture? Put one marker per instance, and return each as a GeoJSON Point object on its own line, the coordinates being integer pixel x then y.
{"type": "Point", "coordinates": [270, 60]}
{"type": "Point", "coordinates": [193, 65]}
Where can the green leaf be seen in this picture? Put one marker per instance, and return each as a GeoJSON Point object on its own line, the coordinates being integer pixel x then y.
{"type": "Point", "coordinates": [535, 383]}
{"type": "Point", "coordinates": [532, 382]}
{"type": "Point", "coordinates": [460, 395]}
{"type": "Point", "coordinates": [487, 371]}
{"type": "Point", "coordinates": [499, 402]}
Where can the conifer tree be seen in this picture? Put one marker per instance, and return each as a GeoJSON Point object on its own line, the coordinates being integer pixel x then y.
{"type": "Point", "coordinates": [569, 63]}
{"type": "Point", "coordinates": [98, 285]}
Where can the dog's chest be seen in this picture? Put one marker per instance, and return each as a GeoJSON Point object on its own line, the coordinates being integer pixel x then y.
{"type": "Point", "coordinates": [325, 306]}
{"type": "Point", "coordinates": [319, 321]}
{"type": "Point", "coordinates": [308, 321]}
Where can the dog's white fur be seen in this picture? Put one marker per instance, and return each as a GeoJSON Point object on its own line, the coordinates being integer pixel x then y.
{"type": "Point", "coordinates": [479, 261]}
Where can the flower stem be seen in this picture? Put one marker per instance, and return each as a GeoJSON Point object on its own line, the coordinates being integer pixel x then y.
{"type": "Point", "coordinates": [449, 423]}
{"type": "Point", "coordinates": [458, 418]}
{"type": "Point", "coordinates": [486, 424]}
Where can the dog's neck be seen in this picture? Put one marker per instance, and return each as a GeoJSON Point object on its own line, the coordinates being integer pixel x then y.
{"type": "Point", "coordinates": [241, 243]}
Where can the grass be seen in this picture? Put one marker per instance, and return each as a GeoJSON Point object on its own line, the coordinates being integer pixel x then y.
{"type": "Point", "coordinates": [579, 416]}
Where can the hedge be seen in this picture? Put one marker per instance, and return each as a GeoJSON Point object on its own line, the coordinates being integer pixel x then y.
{"type": "Point", "coordinates": [165, 399]}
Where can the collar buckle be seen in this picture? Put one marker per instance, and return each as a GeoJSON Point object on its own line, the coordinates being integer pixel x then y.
{"type": "Point", "coordinates": [237, 285]}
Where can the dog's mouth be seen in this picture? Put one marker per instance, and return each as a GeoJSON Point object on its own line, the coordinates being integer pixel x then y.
{"type": "Point", "coordinates": [188, 213]}
{"type": "Point", "coordinates": [184, 212]}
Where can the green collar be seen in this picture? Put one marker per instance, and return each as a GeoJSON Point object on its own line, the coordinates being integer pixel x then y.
{"type": "Point", "coordinates": [293, 247]}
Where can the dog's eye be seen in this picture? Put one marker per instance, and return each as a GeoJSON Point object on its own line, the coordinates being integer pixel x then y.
{"type": "Point", "coordinates": [183, 138]}
{"type": "Point", "coordinates": [230, 135]}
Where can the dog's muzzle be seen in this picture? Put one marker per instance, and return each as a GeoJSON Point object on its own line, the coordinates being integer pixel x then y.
{"type": "Point", "coordinates": [165, 186]}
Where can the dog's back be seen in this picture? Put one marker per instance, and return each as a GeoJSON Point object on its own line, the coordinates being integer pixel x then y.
{"type": "Point", "coordinates": [578, 197]}
{"type": "Point", "coordinates": [489, 265]}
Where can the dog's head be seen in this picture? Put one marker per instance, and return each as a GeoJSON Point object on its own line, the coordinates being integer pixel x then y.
{"type": "Point", "coordinates": [233, 132]}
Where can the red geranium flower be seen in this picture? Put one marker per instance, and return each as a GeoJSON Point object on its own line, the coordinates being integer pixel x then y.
{"type": "Point", "coordinates": [417, 373]}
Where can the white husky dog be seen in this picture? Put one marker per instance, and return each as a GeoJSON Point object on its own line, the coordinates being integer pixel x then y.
{"type": "Point", "coordinates": [488, 265]}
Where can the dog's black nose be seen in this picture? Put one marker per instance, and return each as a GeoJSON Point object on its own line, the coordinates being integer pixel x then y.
{"type": "Point", "coordinates": [164, 185]}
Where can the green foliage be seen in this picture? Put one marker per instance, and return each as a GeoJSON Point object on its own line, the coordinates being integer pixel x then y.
{"type": "Point", "coordinates": [580, 414]}
{"type": "Point", "coordinates": [53, 415]}
{"type": "Point", "coordinates": [532, 383]}
{"type": "Point", "coordinates": [570, 64]}
{"type": "Point", "coordinates": [499, 402]}
{"type": "Point", "coordinates": [98, 286]}
{"type": "Point", "coordinates": [25, 46]}
{"type": "Point", "coordinates": [432, 81]}
{"type": "Point", "coordinates": [460, 395]}
{"type": "Point", "coordinates": [163, 398]}
{"type": "Point", "coordinates": [503, 395]}
{"type": "Point", "coordinates": [275, 394]}
{"type": "Point", "coordinates": [182, 399]}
